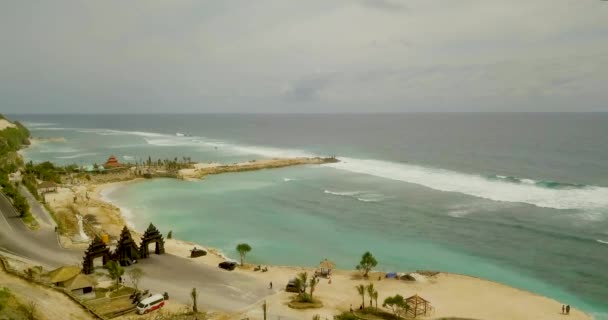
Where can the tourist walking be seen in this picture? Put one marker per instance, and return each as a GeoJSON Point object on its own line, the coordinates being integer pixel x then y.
{"type": "Point", "coordinates": [568, 309]}
{"type": "Point", "coordinates": [563, 309]}
{"type": "Point", "coordinates": [270, 284]}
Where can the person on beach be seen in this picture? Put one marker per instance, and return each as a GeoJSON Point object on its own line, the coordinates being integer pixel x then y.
{"type": "Point", "coordinates": [568, 309]}
{"type": "Point", "coordinates": [351, 308]}
{"type": "Point", "coordinates": [563, 309]}
{"type": "Point", "coordinates": [270, 284]}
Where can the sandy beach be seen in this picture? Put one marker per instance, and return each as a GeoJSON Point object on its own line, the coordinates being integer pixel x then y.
{"type": "Point", "coordinates": [451, 295]}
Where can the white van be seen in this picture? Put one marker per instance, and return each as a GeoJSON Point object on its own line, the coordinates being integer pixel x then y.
{"type": "Point", "coordinates": [152, 303]}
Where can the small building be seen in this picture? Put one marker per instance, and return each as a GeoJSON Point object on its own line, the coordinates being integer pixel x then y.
{"type": "Point", "coordinates": [46, 187]}
{"type": "Point", "coordinates": [81, 285]}
{"type": "Point", "coordinates": [112, 162]}
{"type": "Point", "coordinates": [60, 275]}
{"type": "Point", "coordinates": [325, 268]}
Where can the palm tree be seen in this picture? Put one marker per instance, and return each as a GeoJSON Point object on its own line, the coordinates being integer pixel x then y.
{"type": "Point", "coordinates": [370, 292]}
{"type": "Point", "coordinates": [361, 290]}
{"type": "Point", "coordinates": [115, 271]}
{"type": "Point", "coordinates": [194, 296]}
{"type": "Point", "coordinates": [312, 285]}
{"type": "Point", "coordinates": [302, 282]}
{"type": "Point", "coordinates": [243, 248]}
{"type": "Point", "coordinates": [375, 295]}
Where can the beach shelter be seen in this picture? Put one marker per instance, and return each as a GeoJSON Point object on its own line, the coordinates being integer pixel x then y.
{"type": "Point", "coordinates": [80, 284]}
{"type": "Point", "coordinates": [62, 274]}
{"type": "Point", "coordinates": [418, 306]}
{"type": "Point", "coordinates": [325, 267]}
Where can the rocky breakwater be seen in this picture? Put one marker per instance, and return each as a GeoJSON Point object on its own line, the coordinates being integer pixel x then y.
{"type": "Point", "coordinates": [200, 170]}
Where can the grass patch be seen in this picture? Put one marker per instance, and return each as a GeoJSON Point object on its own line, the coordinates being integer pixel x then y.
{"type": "Point", "coordinates": [100, 292]}
{"type": "Point", "coordinates": [315, 304]}
{"type": "Point", "coordinates": [122, 292]}
{"type": "Point", "coordinates": [31, 222]}
{"type": "Point", "coordinates": [373, 313]}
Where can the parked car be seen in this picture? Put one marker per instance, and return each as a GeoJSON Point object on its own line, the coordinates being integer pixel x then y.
{"type": "Point", "coordinates": [228, 265]}
{"type": "Point", "coordinates": [152, 303]}
{"type": "Point", "coordinates": [291, 286]}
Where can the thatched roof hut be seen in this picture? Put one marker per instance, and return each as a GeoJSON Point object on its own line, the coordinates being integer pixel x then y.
{"type": "Point", "coordinates": [80, 281]}
{"type": "Point", "coordinates": [325, 268]}
{"type": "Point", "coordinates": [63, 274]}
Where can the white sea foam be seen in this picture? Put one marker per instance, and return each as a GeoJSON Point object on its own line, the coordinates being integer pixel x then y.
{"type": "Point", "coordinates": [528, 181]}
{"type": "Point", "coordinates": [38, 124]}
{"type": "Point", "coordinates": [343, 193]}
{"type": "Point", "coordinates": [51, 149]}
{"type": "Point", "coordinates": [128, 158]}
{"type": "Point", "coordinates": [79, 155]}
{"type": "Point", "coordinates": [602, 241]}
{"type": "Point", "coordinates": [125, 212]}
{"type": "Point", "coordinates": [445, 180]}
{"type": "Point", "coordinates": [357, 195]}
{"type": "Point", "coordinates": [47, 129]}
{"type": "Point", "coordinates": [288, 179]}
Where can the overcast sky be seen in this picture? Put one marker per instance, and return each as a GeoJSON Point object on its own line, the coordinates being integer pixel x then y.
{"type": "Point", "coordinates": [303, 56]}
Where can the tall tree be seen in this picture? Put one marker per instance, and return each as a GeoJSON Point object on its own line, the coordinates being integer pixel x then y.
{"type": "Point", "coordinates": [312, 284]}
{"type": "Point", "coordinates": [135, 274]}
{"type": "Point", "coordinates": [375, 296]}
{"type": "Point", "coordinates": [361, 290]}
{"type": "Point", "coordinates": [194, 297]}
{"type": "Point", "coordinates": [367, 263]}
{"type": "Point", "coordinates": [243, 249]}
{"type": "Point", "coordinates": [370, 292]}
{"type": "Point", "coordinates": [302, 282]}
{"type": "Point", "coordinates": [115, 271]}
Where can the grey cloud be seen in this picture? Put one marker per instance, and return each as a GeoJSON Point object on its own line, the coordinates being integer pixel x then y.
{"type": "Point", "coordinates": [388, 5]}
{"type": "Point", "coordinates": [308, 88]}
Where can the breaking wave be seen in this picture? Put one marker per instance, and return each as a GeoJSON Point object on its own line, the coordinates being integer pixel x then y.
{"type": "Point", "coordinates": [546, 184]}
{"type": "Point", "coordinates": [169, 140]}
{"type": "Point", "coordinates": [38, 124]}
{"type": "Point", "coordinates": [538, 194]}
{"type": "Point", "coordinates": [549, 194]}
{"type": "Point", "coordinates": [602, 241]}
{"type": "Point", "coordinates": [358, 195]}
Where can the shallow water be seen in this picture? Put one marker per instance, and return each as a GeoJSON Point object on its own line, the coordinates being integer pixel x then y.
{"type": "Point", "coordinates": [520, 199]}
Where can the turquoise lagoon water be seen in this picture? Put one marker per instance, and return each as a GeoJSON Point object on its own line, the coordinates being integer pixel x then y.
{"type": "Point", "coordinates": [520, 199]}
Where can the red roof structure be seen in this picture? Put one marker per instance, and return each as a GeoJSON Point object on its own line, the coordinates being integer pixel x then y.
{"type": "Point", "coordinates": [112, 162]}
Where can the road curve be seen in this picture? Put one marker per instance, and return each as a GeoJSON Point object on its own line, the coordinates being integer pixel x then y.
{"type": "Point", "coordinates": [218, 289]}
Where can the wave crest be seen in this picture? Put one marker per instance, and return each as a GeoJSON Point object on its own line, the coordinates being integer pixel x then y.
{"type": "Point", "coordinates": [587, 197]}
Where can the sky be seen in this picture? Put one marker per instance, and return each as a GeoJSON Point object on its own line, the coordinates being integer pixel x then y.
{"type": "Point", "coordinates": [307, 56]}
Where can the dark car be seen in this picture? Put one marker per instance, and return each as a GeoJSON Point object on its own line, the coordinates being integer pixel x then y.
{"type": "Point", "coordinates": [227, 265]}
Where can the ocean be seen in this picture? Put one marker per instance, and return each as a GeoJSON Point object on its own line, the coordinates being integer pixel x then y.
{"type": "Point", "coordinates": [518, 198]}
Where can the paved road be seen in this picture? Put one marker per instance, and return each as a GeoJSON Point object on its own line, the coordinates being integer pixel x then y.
{"type": "Point", "coordinates": [40, 245]}
{"type": "Point", "coordinates": [218, 289]}
{"type": "Point", "coordinates": [38, 210]}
